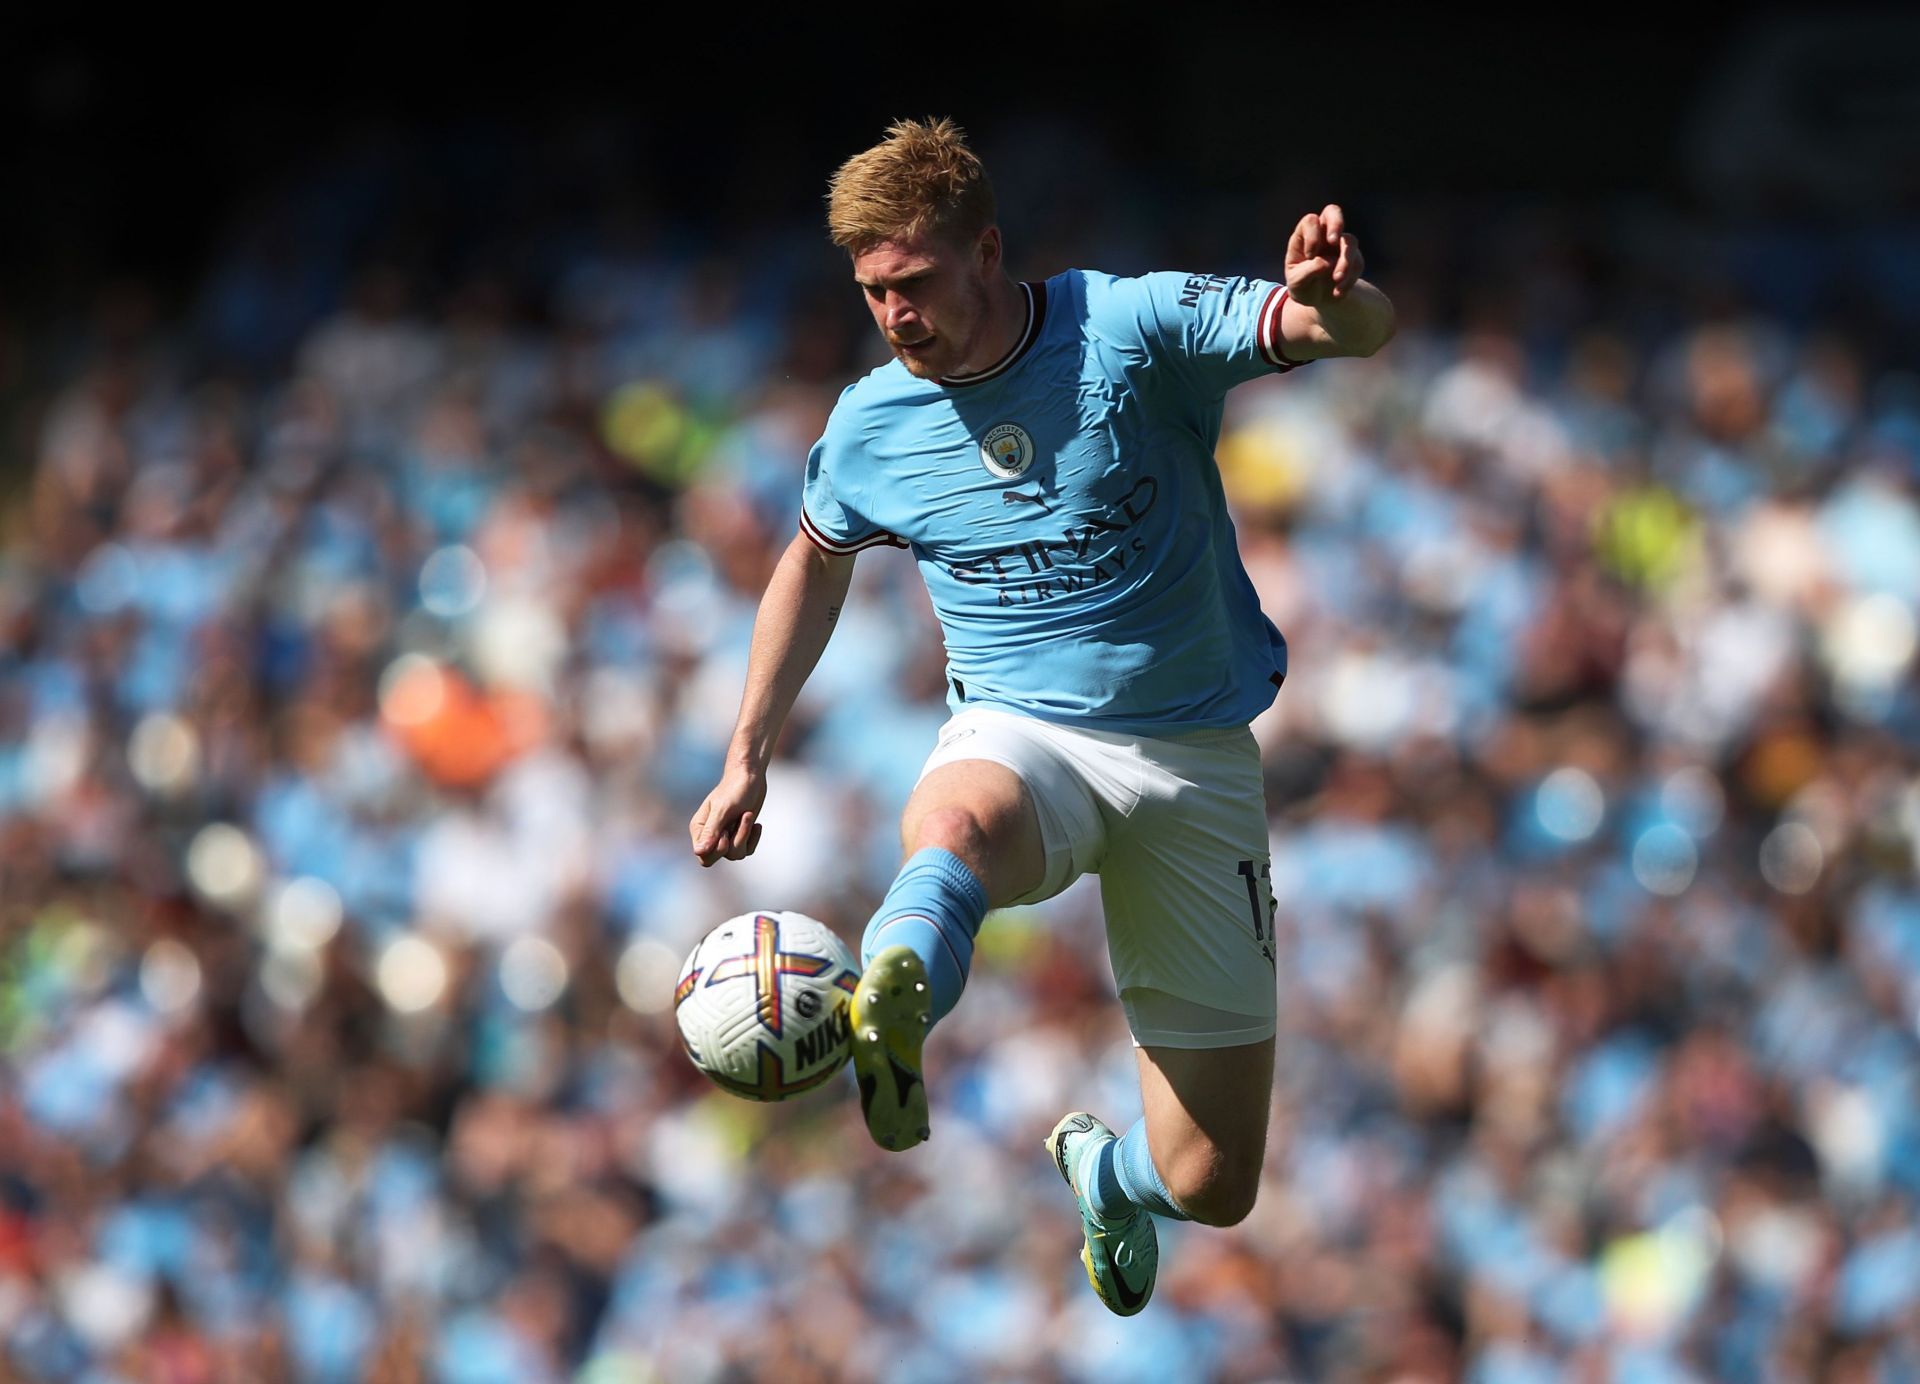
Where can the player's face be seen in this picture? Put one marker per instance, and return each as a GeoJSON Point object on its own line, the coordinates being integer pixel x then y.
{"type": "Point", "coordinates": [929, 297]}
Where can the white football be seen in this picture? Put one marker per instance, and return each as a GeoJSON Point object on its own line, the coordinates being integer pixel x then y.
{"type": "Point", "coordinates": [762, 1004]}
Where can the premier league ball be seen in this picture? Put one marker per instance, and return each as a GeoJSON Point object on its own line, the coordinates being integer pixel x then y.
{"type": "Point", "coordinates": [762, 1004]}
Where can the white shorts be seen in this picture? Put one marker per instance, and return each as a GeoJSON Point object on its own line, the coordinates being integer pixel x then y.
{"type": "Point", "coordinates": [1176, 829]}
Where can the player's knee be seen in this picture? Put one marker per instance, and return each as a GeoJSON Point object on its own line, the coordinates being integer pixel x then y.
{"type": "Point", "coordinates": [1221, 1202]}
{"type": "Point", "coordinates": [955, 829]}
{"type": "Point", "coordinates": [1219, 1191]}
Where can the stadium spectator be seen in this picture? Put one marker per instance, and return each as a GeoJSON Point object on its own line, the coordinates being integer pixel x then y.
{"type": "Point", "coordinates": [351, 706]}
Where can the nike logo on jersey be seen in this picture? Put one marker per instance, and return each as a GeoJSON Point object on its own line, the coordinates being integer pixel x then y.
{"type": "Point", "coordinates": [1007, 497]}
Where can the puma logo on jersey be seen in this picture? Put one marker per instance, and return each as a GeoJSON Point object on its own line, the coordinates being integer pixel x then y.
{"type": "Point", "coordinates": [1007, 497]}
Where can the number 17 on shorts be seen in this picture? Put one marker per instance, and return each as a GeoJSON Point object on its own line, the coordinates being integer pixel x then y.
{"type": "Point", "coordinates": [1261, 905]}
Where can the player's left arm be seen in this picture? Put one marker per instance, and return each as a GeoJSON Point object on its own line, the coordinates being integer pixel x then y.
{"type": "Point", "coordinates": [1330, 310]}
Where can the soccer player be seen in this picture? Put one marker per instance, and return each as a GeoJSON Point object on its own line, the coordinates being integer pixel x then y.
{"type": "Point", "coordinates": [1045, 450]}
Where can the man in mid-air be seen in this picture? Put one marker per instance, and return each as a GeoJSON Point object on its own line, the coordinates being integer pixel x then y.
{"type": "Point", "coordinates": [1046, 450]}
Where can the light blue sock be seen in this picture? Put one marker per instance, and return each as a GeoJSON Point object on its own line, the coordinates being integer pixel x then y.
{"type": "Point", "coordinates": [935, 907]}
{"type": "Point", "coordinates": [1124, 1178]}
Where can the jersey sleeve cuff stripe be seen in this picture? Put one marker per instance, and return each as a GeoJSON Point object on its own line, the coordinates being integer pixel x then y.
{"type": "Point", "coordinates": [1268, 332]}
{"type": "Point", "coordinates": [840, 548]}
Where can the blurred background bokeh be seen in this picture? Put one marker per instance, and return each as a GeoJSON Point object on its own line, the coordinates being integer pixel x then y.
{"type": "Point", "coordinates": [397, 430]}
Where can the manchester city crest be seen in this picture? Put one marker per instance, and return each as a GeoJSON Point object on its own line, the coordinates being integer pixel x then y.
{"type": "Point", "coordinates": [1007, 451]}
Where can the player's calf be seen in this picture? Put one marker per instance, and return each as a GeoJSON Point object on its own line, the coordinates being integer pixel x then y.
{"type": "Point", "coordinates": [1206, 1125]}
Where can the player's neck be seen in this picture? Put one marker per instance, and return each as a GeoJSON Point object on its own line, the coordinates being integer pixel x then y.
{"type": "Point", "coordinates": [1006, 324]}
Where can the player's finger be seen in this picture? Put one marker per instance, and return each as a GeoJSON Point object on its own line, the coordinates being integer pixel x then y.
{"type": "Point", "coordinates": [740, 829]}
{"type": "Point", "coordinates": [742, 846]}
{"type": "Point", "coordinates": [1356, 262]}
{"type": "Point", "coordinates": [697, 828]}
{"type": "Point", "coordinates": [1310, 271]}
{"type": "Point", "coordinates": [1334, 222]}
{"type": "Point", "coordinates": [1342, 269]}
{"type": "Point", "coordinates": [1313, 238]}
{"type": "Point", "coordinates": [1297, 242]}
{"type": "Point", "coordinates": [719, 839]}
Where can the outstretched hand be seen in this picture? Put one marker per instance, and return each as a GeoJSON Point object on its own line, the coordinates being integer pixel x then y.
{"type": "Point", "coordinates": [1323, 258]}
{"type": "Point", "coordinates": [725, 827]}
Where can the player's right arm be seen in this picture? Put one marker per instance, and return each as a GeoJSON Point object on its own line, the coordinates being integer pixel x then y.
{"type": "Point", "coordinates": [797, 616]}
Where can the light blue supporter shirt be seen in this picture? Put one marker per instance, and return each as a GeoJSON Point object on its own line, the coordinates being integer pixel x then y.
{"type": "Point", "coordinates": [1065, 508]}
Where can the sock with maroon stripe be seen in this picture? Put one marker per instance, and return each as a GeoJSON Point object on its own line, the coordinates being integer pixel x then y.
{"type": "Point", "coordinates": [935, 907]}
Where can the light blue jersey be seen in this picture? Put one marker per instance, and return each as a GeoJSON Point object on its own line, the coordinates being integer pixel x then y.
{"type": "Point", "coordinates": [1065, 507]}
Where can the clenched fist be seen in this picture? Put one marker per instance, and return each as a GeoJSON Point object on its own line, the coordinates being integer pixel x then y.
{"type": "Point", "coordinates": [725, 826]}
{"type": "Point", "coordinates": [1323, 258]}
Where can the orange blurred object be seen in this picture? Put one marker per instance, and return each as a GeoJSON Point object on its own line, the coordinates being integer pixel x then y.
{"type": "Point", "coordinates": [459, 735]}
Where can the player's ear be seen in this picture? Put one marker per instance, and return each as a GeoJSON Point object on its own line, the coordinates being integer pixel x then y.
{"type": "Point", "coordinates": [987, 250]}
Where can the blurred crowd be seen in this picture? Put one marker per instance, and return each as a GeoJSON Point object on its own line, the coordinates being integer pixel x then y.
{"type": "Point", "coordinates": [367, 640]}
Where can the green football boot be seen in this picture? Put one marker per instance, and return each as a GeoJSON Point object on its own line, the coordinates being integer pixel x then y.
{"type": "Point", "coordinates": [1122, 1255]}
{"type": "Point", "coordinates": [891, 1010]}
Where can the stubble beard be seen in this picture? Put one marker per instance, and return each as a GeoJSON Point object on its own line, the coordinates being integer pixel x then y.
{"type": "Point", "coordinates": [920, 369]}
{"type": "Point", "coordinates": [948, 362]}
